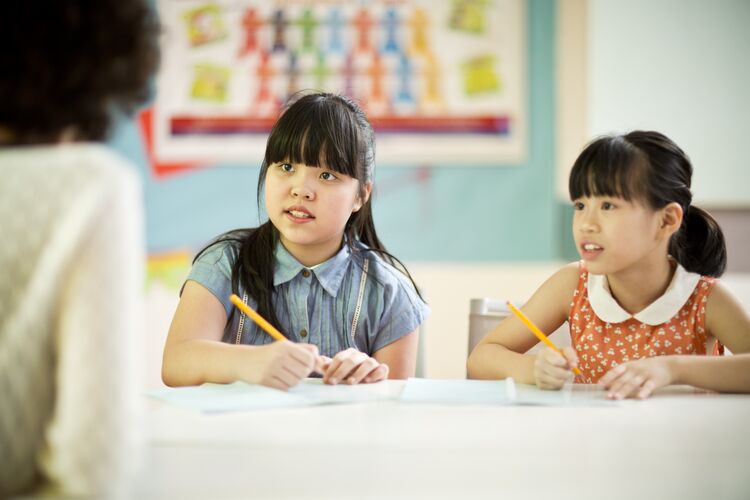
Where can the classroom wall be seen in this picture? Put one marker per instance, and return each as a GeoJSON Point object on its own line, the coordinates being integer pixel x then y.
{"type": "Point", "coordinates": [686, 73]}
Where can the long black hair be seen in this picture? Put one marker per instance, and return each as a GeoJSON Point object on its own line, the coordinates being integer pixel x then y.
{"type": "Point", "coordinates": [314, 129]}
{"type": "Point", "coordinates": [648, 166]}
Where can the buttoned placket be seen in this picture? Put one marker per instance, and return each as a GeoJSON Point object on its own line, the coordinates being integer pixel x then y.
{"type": "Point", "coordinates": [303, 327]}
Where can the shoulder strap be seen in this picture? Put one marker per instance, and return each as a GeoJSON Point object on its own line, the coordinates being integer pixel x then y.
{"type": "Point", "coordinates": [238, 337]}
{"type": "Point", "coordinates": [360, 297]}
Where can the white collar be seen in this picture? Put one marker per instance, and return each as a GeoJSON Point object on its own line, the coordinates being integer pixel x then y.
{"type": "Point", "coordinates": [659, 311]}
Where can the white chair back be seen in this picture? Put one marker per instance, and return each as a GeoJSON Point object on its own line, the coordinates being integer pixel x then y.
{"type": "Point", "coordinates": [486, 313]}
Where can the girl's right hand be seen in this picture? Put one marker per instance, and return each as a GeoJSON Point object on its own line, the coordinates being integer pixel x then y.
{"type": "Point", "coordinates": [283, 364]}
{"type": "Point", "coordinates": [552, 370]}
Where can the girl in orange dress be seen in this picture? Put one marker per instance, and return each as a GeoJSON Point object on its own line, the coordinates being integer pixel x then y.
{"type": "Point", "coordinates": [644, 299]}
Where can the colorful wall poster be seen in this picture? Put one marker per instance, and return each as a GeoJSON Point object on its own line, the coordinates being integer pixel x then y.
{"type": "Point", "coordinates": [443, 81]}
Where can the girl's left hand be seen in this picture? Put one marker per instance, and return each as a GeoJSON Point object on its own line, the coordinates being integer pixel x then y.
{"type": "Point", "coordinates": [353, 367]}
{"type": "Point", "coordinates": [637, 379]}
{"type": "Point", "coordinates": [322, 364]}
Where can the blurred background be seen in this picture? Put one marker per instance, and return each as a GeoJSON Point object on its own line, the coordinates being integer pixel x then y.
{"type": "Point", "coordinates": [485, 216]}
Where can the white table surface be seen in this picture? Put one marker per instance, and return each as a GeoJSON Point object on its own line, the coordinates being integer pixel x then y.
{"type": "Point", "coordinates": [681, 444]}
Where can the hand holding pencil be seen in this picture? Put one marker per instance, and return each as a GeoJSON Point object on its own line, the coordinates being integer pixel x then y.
{"type": "Point", "coordinates": [349, 366]}
{"type": "Point", "coordinates": [285, 364]}
{"type": "Point", "coordinates": [553, 365]}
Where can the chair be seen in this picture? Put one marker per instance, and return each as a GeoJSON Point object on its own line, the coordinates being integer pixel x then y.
{"type": "Point", "coordinates": [419, 372]}
{"type": "Point", "coordinates": [486, 313]}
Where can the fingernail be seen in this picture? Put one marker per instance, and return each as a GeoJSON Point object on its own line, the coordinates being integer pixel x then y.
{"type": "Point", "coordinates": [333, 381]}
{"type": "Point", "coordinates": [350, 381]}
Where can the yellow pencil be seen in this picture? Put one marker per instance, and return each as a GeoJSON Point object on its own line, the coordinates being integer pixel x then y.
{"type": "Point", "coordinates": [536, 331]}
{"type": "Point", "coordinates": [265, 325]}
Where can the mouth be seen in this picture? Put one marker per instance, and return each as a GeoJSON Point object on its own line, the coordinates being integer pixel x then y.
{"type": "Point", "coordinates": [590, 250]}
{"type": "Point", "coordinates": [299, 214]}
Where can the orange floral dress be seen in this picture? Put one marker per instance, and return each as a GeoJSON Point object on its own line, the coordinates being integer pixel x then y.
{"type": "Point", "coordinates": [604, 335]}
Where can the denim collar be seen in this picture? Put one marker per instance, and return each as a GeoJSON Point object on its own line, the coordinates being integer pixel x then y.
{"type": "Point", "coordinates": [330, 273]}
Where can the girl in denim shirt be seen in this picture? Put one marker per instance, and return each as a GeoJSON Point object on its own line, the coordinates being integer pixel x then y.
{"type": "Point", "coordinates": [316, 269]}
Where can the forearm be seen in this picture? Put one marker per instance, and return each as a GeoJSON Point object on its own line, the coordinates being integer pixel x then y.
{"type": "Point", "coordinates": [493, 361]}
{"type": "Point", "coordinates": [197, 361]}
{"type": "Point", "coordinates": [400, 356]}
{"type": "Point", "coordinates": [716, 373]}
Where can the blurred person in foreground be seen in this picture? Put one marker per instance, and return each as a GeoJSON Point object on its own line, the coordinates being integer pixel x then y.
{"type": "Point", "coordinates": [71, 263]}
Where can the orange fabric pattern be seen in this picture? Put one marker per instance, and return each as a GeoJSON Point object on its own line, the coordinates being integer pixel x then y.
{"type": "Point", "coordinates": [601, 346]}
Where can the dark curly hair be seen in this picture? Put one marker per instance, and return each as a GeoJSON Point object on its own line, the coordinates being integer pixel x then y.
{"type": "Point", "coordinates": [73, 64]}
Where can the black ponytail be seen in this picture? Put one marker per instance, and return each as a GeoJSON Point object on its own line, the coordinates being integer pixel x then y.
{"type": "Point", "coordinates": [699, 245]}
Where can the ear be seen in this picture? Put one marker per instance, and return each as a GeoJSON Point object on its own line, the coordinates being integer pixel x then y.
{"type": "Point", "coordinates": [362, 198]}
{"type": "Point", "coordinates": [671, 219]}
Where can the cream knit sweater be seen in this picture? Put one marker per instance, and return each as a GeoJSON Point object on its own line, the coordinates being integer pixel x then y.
{"type": "Point", "coordinates": [71, 269]}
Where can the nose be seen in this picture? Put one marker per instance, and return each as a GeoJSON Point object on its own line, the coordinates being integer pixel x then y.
{"type": "Point", "coordinates": [302, 191]}
{"type": "Point", "coordinates": [587, 222]}
{"type": "Point", "coordinates": [587, 228]}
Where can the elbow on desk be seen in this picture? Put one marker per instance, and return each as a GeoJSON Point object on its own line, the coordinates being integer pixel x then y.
{"type": "Point", "coordinates": [174, 375]}
{"type": "Point", "coordinates": [172, 379]}
{"type": "Point", "coordinates": [168, 376]}
{"type": "Point", "coordinates": [484, 363]}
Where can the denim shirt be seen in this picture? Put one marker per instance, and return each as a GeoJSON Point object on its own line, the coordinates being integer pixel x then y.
{"type": "Point", "coordinates": [317, 305]}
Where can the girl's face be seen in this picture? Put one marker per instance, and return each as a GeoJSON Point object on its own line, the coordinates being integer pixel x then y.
{"type": "Point", "coordinates": [310, 207]}
{"type": "Point", "coordinates": [613, 234]}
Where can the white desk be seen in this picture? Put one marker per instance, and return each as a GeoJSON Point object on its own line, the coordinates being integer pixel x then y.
{"type": "Point", "coordinates": [679, 444]}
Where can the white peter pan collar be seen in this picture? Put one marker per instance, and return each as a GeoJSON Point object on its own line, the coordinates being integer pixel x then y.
{"type": "Point", "coordinates": [659, 311]}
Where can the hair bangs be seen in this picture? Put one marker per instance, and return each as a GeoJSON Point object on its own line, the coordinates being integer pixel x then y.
{"type": "Point", "coordinates": [321, 135]}
{"type": "Point", "coordinates": [609, 166]}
